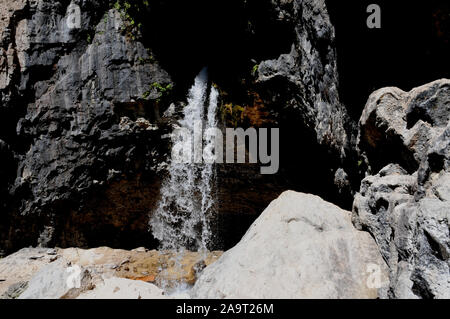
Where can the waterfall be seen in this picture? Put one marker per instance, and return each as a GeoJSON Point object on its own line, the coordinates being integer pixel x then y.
{"type": "Point", "coordinates": [182, 217]}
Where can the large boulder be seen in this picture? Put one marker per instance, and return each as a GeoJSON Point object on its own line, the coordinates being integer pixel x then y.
{"type": "Point", "coordinates": [405, 206]}
{"type": "Point", "coordinates": [300, 247]}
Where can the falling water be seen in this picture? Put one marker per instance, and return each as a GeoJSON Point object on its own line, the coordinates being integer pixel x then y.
{"type": "Point", "coordinates": [182, 218]}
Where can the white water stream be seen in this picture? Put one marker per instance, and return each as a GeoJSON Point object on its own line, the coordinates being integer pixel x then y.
{"type": "Point", "coordinates": [182, 218]}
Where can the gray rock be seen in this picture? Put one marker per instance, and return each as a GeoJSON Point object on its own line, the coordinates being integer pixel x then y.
{"type": "Point", "coordinates": [300, 247]}
{"type": "Point", "coordinates": [70, 88]}
{"type": "Point", "coordinates": [394, 128]}
{"type": "Point", "coordinates": [15, 290]}
{"type": "Point", "coordinates": [406, 205]}
{"type": "Point", "coordinates": [120, 288]}
{"type": "Point", "coordinates": [56, 280]}
{"type": "Point", "coordinates": [305, 79]}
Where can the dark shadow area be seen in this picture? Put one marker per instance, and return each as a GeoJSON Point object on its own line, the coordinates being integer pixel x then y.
{"type": "Point", "coordinates": [411, 49]}
{"type": "Point", "coordinates": [228, 36]}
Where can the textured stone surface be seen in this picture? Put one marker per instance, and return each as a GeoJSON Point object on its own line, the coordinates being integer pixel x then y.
{"type": "Point", "coordinates": [309, 72]}
{"type": "Point", "coordinates": [300, 88]}
{"type": "Point", "coordinates": [82, 177]}
{"type": "Point", "coordinates": [15, 290]}
{"type": "Point", "coordinates": [120, 288]}
{"type": "Point", "coordinates": [52, 282]}
{"type": "Point", "coordinates": [22, 265]}
{"type": "Point", "coordinates": [400, 127]}
{"type": "Point", "coordinates": [300, 247]}
{"type": "Point", "coordinates": [164, 269]}
{"type": "Point", "coordinates": [406, 205]}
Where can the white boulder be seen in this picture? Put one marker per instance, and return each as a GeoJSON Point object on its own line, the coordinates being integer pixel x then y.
{"type": "Point", "coordinates": [300, 247]}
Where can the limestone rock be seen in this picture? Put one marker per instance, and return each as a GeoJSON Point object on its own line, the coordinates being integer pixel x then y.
{"type": "Point", "coordinates": [62, 111]}
{"type": "Point", "coordinates": [300, 247]}
{"type": "Point", "coordinates": [300, 88]}
{"type": "Point", "coordinates": [406, 205]}
{"type": "Point", "coordinates": [54, 281]}
{"type": "Point", "coordinates": [14, 291]}
{"type": "Point", "coordinates": [399, 127]}
{"type": "Point", "coordinates": [36, 265]}
{"type": "Point", "coordinates": [310, 67]}
{"type": "Point", "coordinates": [22, 266]}
{"type": "Point", "coordinates": [120, 288]}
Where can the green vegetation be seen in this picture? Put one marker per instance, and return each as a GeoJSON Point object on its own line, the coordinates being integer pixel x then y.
{"type": "Point", "coordinates": [129, 10]}
{"type": "Point", "coordinates": [146, 94]}
{"type": "Point", "coordinates": [142, 60]}
{"type": "Point", "coordinates": [163, 91]}
{"type": "Point", "coordinates": [255, 69]}
{"type": "Point", "coordinates": [105, 18]}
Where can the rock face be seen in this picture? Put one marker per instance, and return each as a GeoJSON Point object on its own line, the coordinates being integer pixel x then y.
{"type": "Point", "coordinates": [301, 88]}
{"type": "Point", "coordinates": [296, 90]}
{"type": "Point", "coordinates": [400, 127]}
{"type": "Point", "coordinates": [405, 206]}
{"type": "Point", "coordinates": [86, 145]}
{"type": "Point", "coordinates": [300, 247]}
{"type": "Point", "coordinates": [306, 78]}
{"type": "Point", "coordinates": [83, 136]}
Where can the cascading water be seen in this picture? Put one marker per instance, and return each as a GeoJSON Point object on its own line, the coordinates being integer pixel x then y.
{"type": "Point", "coordinates": [182, 218]}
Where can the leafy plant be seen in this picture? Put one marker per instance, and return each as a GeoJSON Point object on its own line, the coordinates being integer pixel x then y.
{"type": "Point", "coordinates": [128, 11]}
{"type": "Point", "coordinates": [146, 94]}
{"type": "Point", "coordinates": [149, 59]}
{"type": "Point", "coordinates": [162, 91]}
{"type": "Point", "coordinates": [255, 69]}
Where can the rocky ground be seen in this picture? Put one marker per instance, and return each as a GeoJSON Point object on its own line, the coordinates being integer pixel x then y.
{"type": "Point", "coordinates": [300, 247]}
{"type": "Point", "coordinates": [85, 114]}
{"type": "Point", "coordinates": [43, 272]}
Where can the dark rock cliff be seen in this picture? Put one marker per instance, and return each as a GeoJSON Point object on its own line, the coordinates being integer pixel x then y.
{"type": "Point", "coordinates": [83, 127]}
